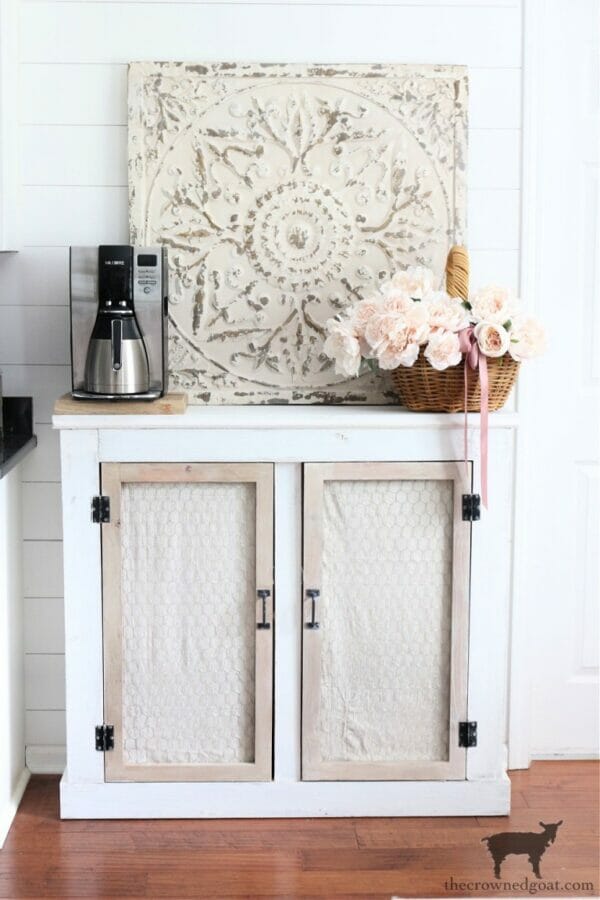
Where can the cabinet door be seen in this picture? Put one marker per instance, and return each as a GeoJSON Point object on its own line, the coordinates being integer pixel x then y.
{"type": "Point", "coordinates": [385, 639]}
{"type": "Point", "coordinates": [187, 659]}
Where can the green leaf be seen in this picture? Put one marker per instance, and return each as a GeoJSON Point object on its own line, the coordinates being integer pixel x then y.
{"type": "Point", "coordinates": [508, 324]}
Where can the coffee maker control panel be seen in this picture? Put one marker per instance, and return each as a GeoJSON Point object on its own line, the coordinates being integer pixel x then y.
{"type": "Point", "coordinates": [147, 277]}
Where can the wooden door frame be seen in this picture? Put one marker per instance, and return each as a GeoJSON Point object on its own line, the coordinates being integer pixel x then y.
{"type": "Point", "coordinates": [113, 475]}
{"type": "Point", "coordinates": [315, 476]}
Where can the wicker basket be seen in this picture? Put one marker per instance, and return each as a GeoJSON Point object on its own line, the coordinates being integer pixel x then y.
{"type": "Point", "coordinates": [422, 388]}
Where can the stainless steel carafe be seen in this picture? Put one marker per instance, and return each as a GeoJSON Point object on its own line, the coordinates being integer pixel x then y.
{"type": "Point", "coordinates": [117, 361]}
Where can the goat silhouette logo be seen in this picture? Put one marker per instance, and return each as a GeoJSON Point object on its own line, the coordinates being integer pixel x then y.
{"type": "Point", "coordinates": [532, 844]}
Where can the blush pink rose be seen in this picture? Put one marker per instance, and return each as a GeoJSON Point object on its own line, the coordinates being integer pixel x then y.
{"type": "Point", "coordinates": [446, 313]}
{"type": "Point", "coordinates": [527, 338]}
{"type": "Point", "coordinates": [443, 350]}
{"type": "Point", "coordinates": [397, 302]}
{"type": "Point", "coordinates": [343, 347]}
{"type": "Point", "coordinates": [391, 340]}
{"type": "Point", "coordinates": [493, 304]}
{"type": "Point", "coordinates": [493, 339]}
{"type": "Point", "coordinates": [364, 311]}
{"type": "Point", "coordinates": [398, 355]}
{"type": "Point", "coordinates": [415, 281]}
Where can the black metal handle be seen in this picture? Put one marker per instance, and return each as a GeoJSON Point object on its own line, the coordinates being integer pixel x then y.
{"type": "Point", "coordinates": [263, 594]}
{"type": "Point", "coordinates": [313, 594]}
{"type": "Point", "coordinates": [117, 340]}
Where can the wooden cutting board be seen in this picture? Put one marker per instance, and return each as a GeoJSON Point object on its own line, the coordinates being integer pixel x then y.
{"type": "Point", "coordinates": [169, 405]}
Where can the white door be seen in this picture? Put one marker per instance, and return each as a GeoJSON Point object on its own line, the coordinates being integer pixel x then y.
{"type": "Point", "coordinates": [562, 484]}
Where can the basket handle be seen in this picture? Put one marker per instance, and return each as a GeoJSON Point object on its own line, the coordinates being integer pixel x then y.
{"type": "Point", "coordinates": [457, 272]}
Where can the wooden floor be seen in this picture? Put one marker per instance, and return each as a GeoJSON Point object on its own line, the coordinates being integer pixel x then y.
{"type": "Point", "coordinates": [44, 857]}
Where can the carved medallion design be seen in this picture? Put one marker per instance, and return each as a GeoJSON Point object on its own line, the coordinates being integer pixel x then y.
{"type": "Point", "coordinates": [284, 193]}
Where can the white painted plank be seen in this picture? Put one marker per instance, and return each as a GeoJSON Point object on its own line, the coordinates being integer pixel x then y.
{"type": "Point", "coordinates": [97, 155]}
{"type": "Point", "coordinates": [87, 155]}
{"type": "Point", "coordinates": [42, 569]}
{"type": "Point", "coordinates": [44, 276]}
{"type": "Point", "coordinates": [36, 276]}
{"type": "Point", "coordinates": [43, 463]}
{"type": "Point", "coordinates": [494, 159]}
{"type": "Point", "coordinates": [70, 93]}
{"type": "Point", "coordinates": [432, 3]}
{"type": "Point", "coordinates": [45, 726]}
{"type": "Point", "coordinates": [34, 334]}
{"type": "Point", "coordinates": [45, 681]}
{"type": "Point", "coordinates": [42, 515]}
{"type": "Point", "coordinates": [63, 216]}
{"type": "Point", "coordinates": [493, 220]}
{"type": "Point", "coordinates": [44, 626]}
{"type": "Point", "coordinates": [495, 98]}
{"type": "Point", "coordinates": [46, 759]}
{"type": "Point", "coordinates": [83, 94]}
{"type": "Point", "coordinates": [92, 33]}
{"type": "Point", "coordinates": [44, 383]}
{"type": "Point", "coordinates": [94, 215]}
{"type": "Point", "coordinates": [9, 277]}
{"type": "Point", "coordinates": [494, 266]}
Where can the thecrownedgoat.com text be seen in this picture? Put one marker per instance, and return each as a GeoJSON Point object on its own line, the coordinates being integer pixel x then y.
{"type": "Point", "coordinates": [524, 885]}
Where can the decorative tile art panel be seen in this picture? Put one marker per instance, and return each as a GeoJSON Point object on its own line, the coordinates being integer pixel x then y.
{"type": "Point", "coordinates": [283, 193]}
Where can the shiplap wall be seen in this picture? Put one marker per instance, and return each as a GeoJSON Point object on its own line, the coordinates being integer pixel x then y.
{"type": "Point", "coordinates": [73, 113]}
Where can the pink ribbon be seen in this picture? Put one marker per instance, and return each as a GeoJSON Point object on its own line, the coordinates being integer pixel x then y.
{"type": "Point", "coordinates": [476, 360]}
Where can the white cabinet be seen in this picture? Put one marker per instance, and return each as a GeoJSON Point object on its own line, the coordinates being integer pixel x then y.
{"type": "Point", "coordinates": [285, 598]}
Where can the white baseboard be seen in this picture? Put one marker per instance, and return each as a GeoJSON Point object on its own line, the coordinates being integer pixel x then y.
{"type": "Point", "coordinates": [7, 814]}
{"type": "Point", "coordinates": [567, 755]}
{"type": "Point", "coordinates": [46, 760]}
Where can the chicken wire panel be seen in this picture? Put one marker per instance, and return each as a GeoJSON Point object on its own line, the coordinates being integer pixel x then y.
{"type": "Point", "coordinates": [188, 623]}
{"type": "Point", "coordinates": [386, 620]}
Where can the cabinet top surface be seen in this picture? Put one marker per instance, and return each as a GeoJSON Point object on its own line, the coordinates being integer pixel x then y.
{"type": "Point", "coordinates": [283, 418]}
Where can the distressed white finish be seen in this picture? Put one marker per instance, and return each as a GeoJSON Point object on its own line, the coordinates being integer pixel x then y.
{"type": "Point", "coordinates": [283, 192]}
{"type": "Point", "coordinates": [344, 434]}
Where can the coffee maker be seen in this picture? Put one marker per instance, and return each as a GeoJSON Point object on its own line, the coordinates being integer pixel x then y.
{"type": "Point", "coordinates": [119, 322]}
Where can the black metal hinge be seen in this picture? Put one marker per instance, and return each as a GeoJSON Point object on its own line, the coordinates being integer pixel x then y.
{"type": "Point", "coordinates": [471, 507]}
{"type": "Point", "coordinates": [100, 510]}
{"type": "Point", "coordinates": [467, 734]}
{"type": "Point", "coordinates": [105, 737]}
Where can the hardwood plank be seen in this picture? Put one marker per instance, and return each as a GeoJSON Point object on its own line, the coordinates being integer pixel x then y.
{"type": "Point", "coordinates": [475, 854]}
{"type": "Point", "coordinates": [554, 783]}
{"type": "Point", "coordinates": [526, 819]}
{"type": "Point", "coordinates": [259, 837]}
{"type": "Point", "coordinates": [538, 798]}
{"type": "Point", "coordinates": [517, 800]}
{"type": "Point", "coordinates": [45, 857]}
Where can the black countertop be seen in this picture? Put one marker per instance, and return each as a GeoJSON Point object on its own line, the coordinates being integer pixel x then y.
{"type": "Point", "coordinates": [17, 439]}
